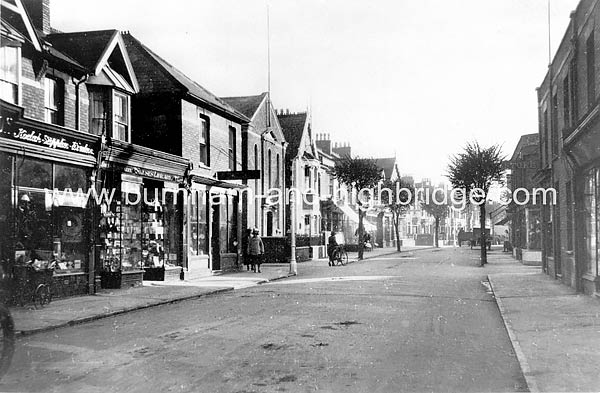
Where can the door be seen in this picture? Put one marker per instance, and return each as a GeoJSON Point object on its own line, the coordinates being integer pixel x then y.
{"type": "Point", "coordinates": [215, 249]}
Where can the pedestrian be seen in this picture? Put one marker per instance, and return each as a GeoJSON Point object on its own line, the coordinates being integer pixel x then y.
{"type": "Point", "coordinates": [247, 236]}
{"type": "Point", "coordinates": [331, 247]}
{"type": "Point", "coordinates": [256, 249]}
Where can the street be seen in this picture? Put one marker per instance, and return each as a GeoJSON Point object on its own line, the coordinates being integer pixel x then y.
{"type": "Point", "coordinates": [418, 321]}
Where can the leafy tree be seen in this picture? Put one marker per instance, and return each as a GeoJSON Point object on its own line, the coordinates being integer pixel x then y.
{"type": "Point", "coordinates": [397, 202]}
{"type": "Point", "coordinates": [358, 173]}
{"type": "Point", "coordinates": [436, 204]}
{"type": "Point", "coordinates": [477, 168]}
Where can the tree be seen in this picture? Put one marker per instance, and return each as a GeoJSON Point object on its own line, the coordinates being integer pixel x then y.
{"type": "Point", "coordinates": [398, 202]}
{"type": "Point", "coordinates": [437, 208]}
{"type": "Point", "coordinates": [473, 171]}
{"type": "Point", "coordinates": [360, 174]}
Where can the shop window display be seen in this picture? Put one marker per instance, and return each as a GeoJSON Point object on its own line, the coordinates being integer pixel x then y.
{"type": "Point", "coordinates": [591, 211]}
{"type": "Point", "coordinates": [199, 228]}
{"type": "Point", "coordinates": [49, 231]}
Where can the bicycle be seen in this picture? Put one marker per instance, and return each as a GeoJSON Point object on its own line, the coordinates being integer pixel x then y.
{"type": "Point", "coordinates": [33, 285]}
{"type": "Point", "coordinates": [340, 256]}
{"type": "Point", "coordinates": [7, 339]}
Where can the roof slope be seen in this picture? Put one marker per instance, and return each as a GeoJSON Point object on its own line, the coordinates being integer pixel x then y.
{"type": "Point", "coordinates": [528, 144]}
{"type": "Point", "coordinates": [86, 47]}
{"type": "Point", "coordinates": [387, 164]}
{"type": "Point", "coordinates": [184, 83]}
{"type": "Point", "coordinates": [247, 105]}
{"type": "Point", "coordinates": [292, 126]}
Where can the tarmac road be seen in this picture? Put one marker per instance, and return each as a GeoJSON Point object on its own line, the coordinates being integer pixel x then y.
{"type": "Point", "coordinates": [418, 321]}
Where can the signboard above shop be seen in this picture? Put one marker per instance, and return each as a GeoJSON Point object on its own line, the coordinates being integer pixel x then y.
{"type": "Point", "coordinates": [41, 135]}
{"type": "Point", "coordinates": [239, 175]}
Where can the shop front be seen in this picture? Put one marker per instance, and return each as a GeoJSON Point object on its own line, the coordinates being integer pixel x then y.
{"type": "Point", "coordinates": [45, 204]}
{"type": "Point", "coordinates": [214, 230]}
{"type": "Point", "coordinates": [141, 218]}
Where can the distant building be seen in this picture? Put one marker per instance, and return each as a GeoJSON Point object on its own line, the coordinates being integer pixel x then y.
{"type": "Point", "coordinates": [525, 219]}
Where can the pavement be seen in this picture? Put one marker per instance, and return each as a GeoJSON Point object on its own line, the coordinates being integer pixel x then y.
{"type": "Point", "coordinates": [106, 303]}
{"type": "Point", "coordinates": [555, 331]}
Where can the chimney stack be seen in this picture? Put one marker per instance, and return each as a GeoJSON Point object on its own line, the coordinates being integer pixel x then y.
{"type": "Point", "coordinates": [39, 12]}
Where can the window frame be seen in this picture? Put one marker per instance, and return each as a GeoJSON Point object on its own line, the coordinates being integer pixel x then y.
{"type": "Point", "coordinates": [56, 108]}
{"type": "Point", "coordinates": [232, 151]}
{"type": "Point", "coordinates": [204, 148]}
{"type": "Point", "coordinates": [17, 83]}
{"type": "Point", "coordinates": [115, 134]}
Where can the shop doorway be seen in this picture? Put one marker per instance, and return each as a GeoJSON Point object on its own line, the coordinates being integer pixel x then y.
{"type": "Point", "coordinates": [269, 223]}
{"type": "Point", "coordinates": [214, 238]}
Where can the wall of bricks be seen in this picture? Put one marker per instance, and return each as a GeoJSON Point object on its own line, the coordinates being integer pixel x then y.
{"type": "Point", "coordinates": [191, 116]}
{"type": "Point", "coordinates": [567, 80]}
{"type": "Point", "coordinates": [32, 96]}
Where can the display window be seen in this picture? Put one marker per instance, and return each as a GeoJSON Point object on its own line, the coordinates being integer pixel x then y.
{"type": "Point", "coordinates": [141, 228]}
{"type": "Point", "coordinates": [591, 211]}
{"type": "Point", "coordinates": [50, 231]}
{"type": "Point", "coordinates": [198, 223]}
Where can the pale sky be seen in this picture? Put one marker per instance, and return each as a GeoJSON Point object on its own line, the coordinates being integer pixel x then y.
{"type": "Point", "coordinates": [414, 78]}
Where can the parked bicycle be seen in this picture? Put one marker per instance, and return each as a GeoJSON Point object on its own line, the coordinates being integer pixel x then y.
{"type": "Point", "coordinates": [33, 285]}
{"type": "Point", "coordinates": [340, 255]}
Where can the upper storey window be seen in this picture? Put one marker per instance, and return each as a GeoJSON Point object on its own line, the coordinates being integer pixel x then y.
{"type": "Point", "coordinates": [9, 73]}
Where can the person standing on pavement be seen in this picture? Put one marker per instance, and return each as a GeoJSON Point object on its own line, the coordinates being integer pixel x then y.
{"type": "Point", "coordinates": [256, 249]}
{"type": "Point", "coordinates": [246, 241]}
{"type": "Point", "coordinates": [331, 246]}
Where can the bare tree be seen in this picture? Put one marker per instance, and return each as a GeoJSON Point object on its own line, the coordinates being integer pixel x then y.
{"type": "Point", "coordinates": [473, 171]}
{"type": "Point", "coordinates": [397, 202]}
{"type": "Point", "coordinates": [439, 209]}
{"type": "Point", "coordinates": [358, 173]}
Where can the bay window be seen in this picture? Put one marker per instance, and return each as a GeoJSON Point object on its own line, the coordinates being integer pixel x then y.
{"type": "Point", "coordinates": [9, 73]}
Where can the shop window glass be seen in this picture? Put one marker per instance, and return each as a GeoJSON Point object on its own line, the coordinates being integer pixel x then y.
{"type": "Point", "coordinates": [34, 173]}
{"type": "Point", "coordinates": [198, 241]}
{"type": "Point", "coordinates": [534, 230]}
{"type": "Point", "coordinates": [33, 217]}
{"type": "Point", "coordinates": [70, 177]}
{"type": "Point", "coordinates": [590, 218]}
{"type": "Point", "coordinates": [232, 222]}
{"type": "Point", "coordinates": [193, 241]}
{"type": "Point", "coordinates": [68, 242]}
{"type": "Point", "coordinates": [223, 231]}
{"type": "Point", "coordinates": [131, 230]}
{"type": "Point", "coordinates": [9, 74]}
{"type": "Point", "coordinates": [202, 224]}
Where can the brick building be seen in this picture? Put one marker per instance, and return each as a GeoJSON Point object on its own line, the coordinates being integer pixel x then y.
{"type": "Point", "coordinates": [175, 115]}
{"type": "Point", "coordinates": [525, 218]}
{"type": "Point", "coordinates": [569, 129]}
{"type": "Point", "coordinates": [263, 149]}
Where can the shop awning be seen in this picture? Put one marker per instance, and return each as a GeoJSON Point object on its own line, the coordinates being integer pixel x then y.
{"type": "Point", "coordinates": [353, 216]}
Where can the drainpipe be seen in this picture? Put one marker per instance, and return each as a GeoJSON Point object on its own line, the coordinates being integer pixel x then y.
{"type": "Point", "coordinates": [78, 82]}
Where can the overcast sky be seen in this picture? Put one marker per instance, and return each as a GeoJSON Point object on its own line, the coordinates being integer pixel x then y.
{"type": "Point", "coordinates": [414, 78]}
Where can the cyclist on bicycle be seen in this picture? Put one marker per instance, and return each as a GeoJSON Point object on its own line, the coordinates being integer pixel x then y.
{"type": "Point", "coordinates": [332, 245]}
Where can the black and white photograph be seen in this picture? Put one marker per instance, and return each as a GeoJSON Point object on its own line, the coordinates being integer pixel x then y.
{"type": "Point", "coordinates": [255, 196]}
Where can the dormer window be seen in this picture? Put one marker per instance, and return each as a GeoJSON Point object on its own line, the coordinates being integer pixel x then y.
{"type": "Point", "coordinates": [110, 113]}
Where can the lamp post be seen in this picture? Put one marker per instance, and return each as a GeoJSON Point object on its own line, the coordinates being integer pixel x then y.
{"type": "Point", "coordinates": [293, 264]}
